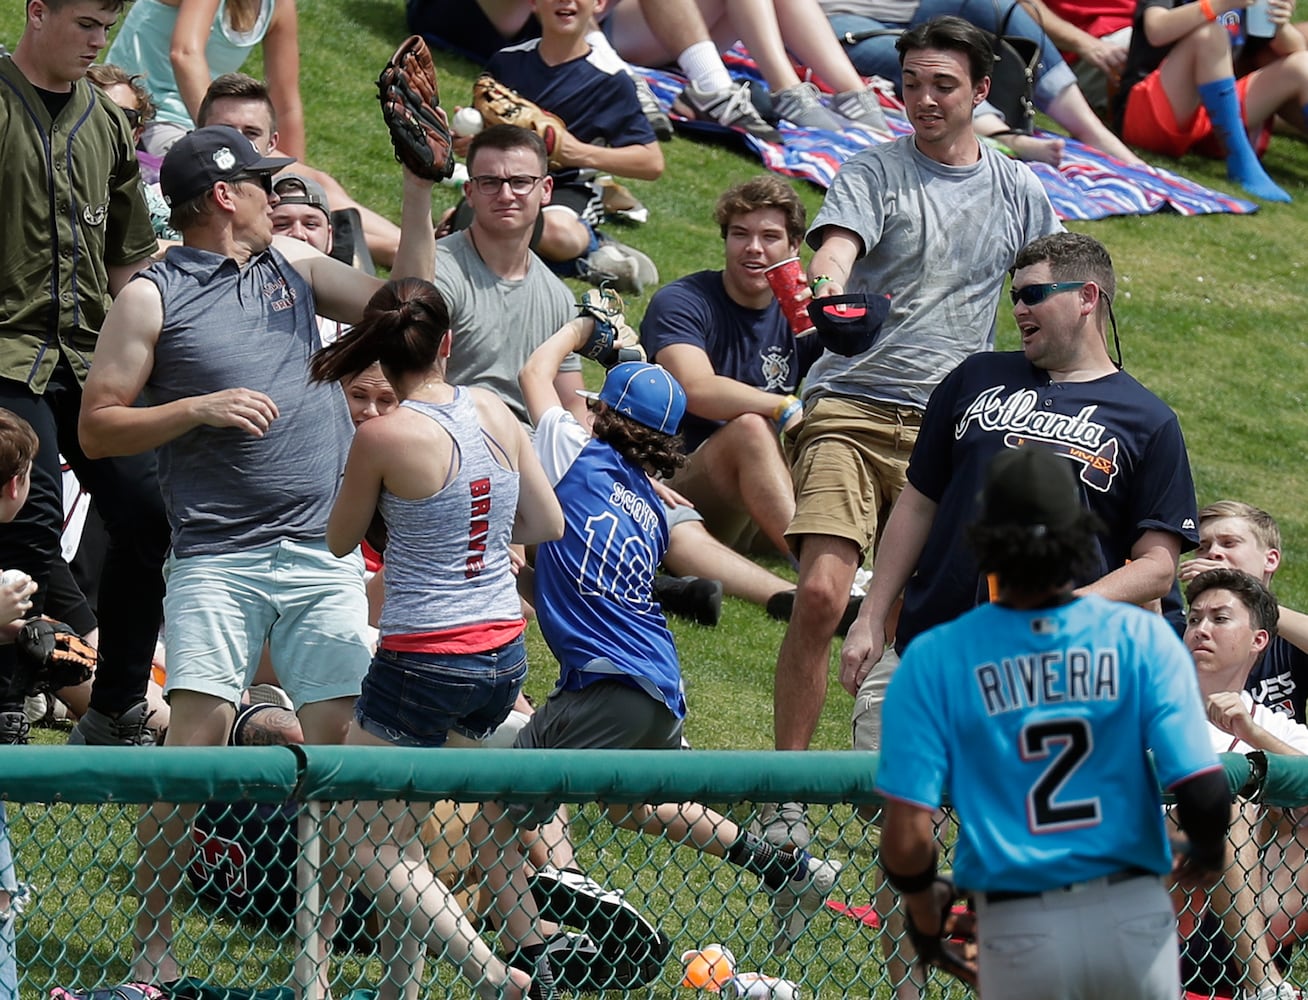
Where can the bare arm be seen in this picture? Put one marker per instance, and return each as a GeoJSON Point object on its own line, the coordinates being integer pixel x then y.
{"type": "Point", "coordinates": [567, 385]}
{"type": "Point", "coordinates": [111, 425]}
{"type": "Point", "coordinates": [643, 162]}
{"type": "Point", "coordinates": [415, 257]}
{"type": "Point", "coordinates": [1228, 712]}
{"type": "Point", "coordinates": [1109, 58]}
{"type": "Point", "coordinates": [281, 68]}
{"type": "Point", "coordinates": [1163, 27]}
{"type": "Point", "coordinates": [120, 274]}
{"type": "Point", "coordinates": [1292, 626]}
{"type": "Point", "coordinates": [356, 501]}
{"type": "Point", "coordinates": [339, 290]}
{"type": "Point", "coordinates": [190, 66]}
{"type": "Point", "coordinates": [1149, 574]}
{"type": "Point", "coordinates": [538, 376]}
{"type": "Point", "coordinates": [835, 259]}
{"type": "Point", "coordinates": [901, 545]}
{"type": "Point", "coordinates": [709, 395]}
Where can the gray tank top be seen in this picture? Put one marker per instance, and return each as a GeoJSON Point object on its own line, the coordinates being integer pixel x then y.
{"type": "Point", "coordinates": [226, 327]}
{"type": "Point", "coordinates": [447, 559]}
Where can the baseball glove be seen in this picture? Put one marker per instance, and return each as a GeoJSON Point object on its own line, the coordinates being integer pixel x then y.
{"type": "Point", "coordinates": [52, 656]}
{"type": "Point", "coordinates": [952, 948]}
{"type": "Point", "coordinates": [501, 106]}
{"type": "Point", "coordinates": [613, 341]}
{"type": "Point", "coordinates": [411, 108]}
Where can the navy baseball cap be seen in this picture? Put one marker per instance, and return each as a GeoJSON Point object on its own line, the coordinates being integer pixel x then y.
{"type": "Point", "coordinates": [1030, 487]}
{"type": "Point", "coordinates": [646, 393]}
{"type": "Point", "coordinates": [215, 153]}
{"type": "Point", "coordinates": [848, 324]}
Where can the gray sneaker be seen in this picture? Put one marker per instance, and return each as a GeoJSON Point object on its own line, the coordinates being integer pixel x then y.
{"type": "Point", "coordinates": [14, 728]}
{"type": "Point", "coordinates": [625, 268]}
{"type": "Point", "coordinates": [795, 903]}
{"type": "Point", "coordinates": [649, 105]}
{"type": "Point", "coordinates": [783, 824]}
{"type": "Point", "coordinates": [127, 729]}
{"type": "Point", "coordinates": [802, 107]}
{"type": "Point", "coordinates": [732, 107]}
{"type": "Point", "coordinates": [862, 108]}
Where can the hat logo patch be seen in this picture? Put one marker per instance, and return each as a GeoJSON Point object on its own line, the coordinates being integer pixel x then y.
{"type": "Point", "coordinates": [223, 158]}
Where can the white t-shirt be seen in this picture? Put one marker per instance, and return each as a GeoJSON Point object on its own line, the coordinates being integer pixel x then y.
{"type": "Point", "coordinates": [1283, 727]}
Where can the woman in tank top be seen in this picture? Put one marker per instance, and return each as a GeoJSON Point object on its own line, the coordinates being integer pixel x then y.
{"type": "Point", "coordinates": [180, 46]}
{"type": "Point", "coordinates": [453, 474]}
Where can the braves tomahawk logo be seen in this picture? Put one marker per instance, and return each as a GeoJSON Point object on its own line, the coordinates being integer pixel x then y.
{"type": "Point", "coordinates": [1074, 436]}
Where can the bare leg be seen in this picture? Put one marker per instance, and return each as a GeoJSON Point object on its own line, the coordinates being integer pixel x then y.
{"type": "Point", "coordinates": [1072, 112]}
{"type": "Point", "coordinates": [692, 551]}
{"type": "Point", "coordinates": [808, 34]}
{"type": "Point", "coordinates": [826, 571]}
{"type": "Point", "coordinates": [162, 831]}
{"type": "Point", "coordinates": [681, 823]}
{"type": "Point", "coordinates": [563, 236]}
{"type": "Point", "coordinates": [508, 16]}
{"type": "Point", "coordinates": [1025, 147]}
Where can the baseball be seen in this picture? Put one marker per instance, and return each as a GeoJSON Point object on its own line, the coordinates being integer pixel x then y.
{"type": "Point", "coordinates": [467, 121]}
{"type": "Point", "coordinates": [12, 576]}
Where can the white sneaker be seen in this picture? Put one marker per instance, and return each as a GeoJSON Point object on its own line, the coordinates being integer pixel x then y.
{"type": "Point", "coordinates": [862, 108]}
{"type": "Point", "coordinates": [802, 106]}
{"type": "Point", "coordinates": [795, 903]}
{"type": "Point", "coordinates": [732, 107]}
{"type": "Point", "coordinates": [1280, 991]}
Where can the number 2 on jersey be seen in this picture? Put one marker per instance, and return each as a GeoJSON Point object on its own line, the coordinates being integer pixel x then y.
{"type": "Point", "coordinates": [1065, 743]}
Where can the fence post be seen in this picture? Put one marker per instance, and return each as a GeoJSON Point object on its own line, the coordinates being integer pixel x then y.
{"type": "Point", "coordinates": [311, 957]}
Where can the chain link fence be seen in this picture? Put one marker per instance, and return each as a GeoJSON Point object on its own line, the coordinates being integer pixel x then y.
{"type": "Point", "coordinates": [259, 851]}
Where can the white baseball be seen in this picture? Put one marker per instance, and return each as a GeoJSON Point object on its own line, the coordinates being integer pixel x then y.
{"type": "Point", "coordinates": [11, 576]}
{"type": "Point", "coordinates": [467, 121]}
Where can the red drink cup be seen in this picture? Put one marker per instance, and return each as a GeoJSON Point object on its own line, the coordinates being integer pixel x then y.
{"type": "Point", "coordinates": [791, 289]}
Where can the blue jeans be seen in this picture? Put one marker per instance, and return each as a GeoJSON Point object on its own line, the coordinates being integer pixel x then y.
{"type": "Point", "coordinates": [415, 699]}
{"type": "Point", "coordinates": [877, 55]}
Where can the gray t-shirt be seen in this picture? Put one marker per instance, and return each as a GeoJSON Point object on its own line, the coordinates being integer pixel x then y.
{"type": "Point", "coordinates": [886, 11]}
{"type": "Point", "coordinates": [498, 323]}
{"type": "Point", "coordinates": [939, 240]}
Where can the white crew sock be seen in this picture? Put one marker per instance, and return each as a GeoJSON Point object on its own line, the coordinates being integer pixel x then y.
{"type": "Point", "coordinates": [702, 64]}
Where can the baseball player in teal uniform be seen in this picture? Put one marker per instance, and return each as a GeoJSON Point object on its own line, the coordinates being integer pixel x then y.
{"type": "Point", "coordinates": [1034, 714]}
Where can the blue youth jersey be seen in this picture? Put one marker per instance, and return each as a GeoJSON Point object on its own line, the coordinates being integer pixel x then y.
{"type": "Point", "coordinates": [1036, 724]}
{"type": "Point", "coordinates": [594, 586]}
{"type": "Point", "coordinates": [597, 106]}
{"type": "Point", "coordinates": [1123, 441]}
{"type": "Point", "coordinates": [1279, 679]}
{"type": "Point", "coordinates": [755, 347]}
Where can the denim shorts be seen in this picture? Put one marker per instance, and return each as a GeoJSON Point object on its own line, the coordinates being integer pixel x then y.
{"type": "Point", "coordinates": [415, 699]}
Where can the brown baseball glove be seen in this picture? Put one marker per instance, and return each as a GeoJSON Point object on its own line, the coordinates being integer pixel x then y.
{"type": "Point", "coordinates": [52, 656]}
{"type": "Point", "coordinates": [613, 341]}
{"type": "Point", "coordinates": [501, 106]}
{"type": "Point", "coordinates": [410, 101]}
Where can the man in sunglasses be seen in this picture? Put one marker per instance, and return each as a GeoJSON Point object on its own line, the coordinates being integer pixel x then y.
{"type": "Point", "coordinates": [216, 338]}
{"type": "Point", "coordinates": [76, 230]}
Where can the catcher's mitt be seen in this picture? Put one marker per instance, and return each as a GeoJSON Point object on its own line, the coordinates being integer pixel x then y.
{"type": "Point", "coordinates": [411, 107]}
{"type": "Point", "coordinates": [952, 947]}
{"type": "Point", "coordinates": [52, 656]}
{"type": "Point", "coordinates": [501, 106]}
{"type": "Point", "coordinates": [613, 340]}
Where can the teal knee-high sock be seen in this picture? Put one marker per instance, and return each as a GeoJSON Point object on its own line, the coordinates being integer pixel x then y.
{"type": "Point", "coordinates": [1242, 166]}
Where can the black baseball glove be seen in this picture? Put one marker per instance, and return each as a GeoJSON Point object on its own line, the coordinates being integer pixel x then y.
{"type": "Point", "coordinates": [951, 945]}
{"type": "Point", "coordinates": [410, 104]}
{"type": "Point", "coordinates": [52, 656]}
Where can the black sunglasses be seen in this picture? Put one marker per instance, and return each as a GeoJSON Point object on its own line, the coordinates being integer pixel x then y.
{"type": "Point", "coordinates": [265, 181]}
{"type": "Point", "coordinates": [490, 184]}
{"type": "Point", "coordinates": [133, 116]}
{"type": "Point", "coordinates": [1033, 295]}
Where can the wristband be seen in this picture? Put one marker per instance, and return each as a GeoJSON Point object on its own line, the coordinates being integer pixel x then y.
{"type": "Point", "coordinates": [787, 413]}
{"type": "Point", "coordinates": [907, 885]}
{"type": "Point", "coordinates": [826, 279]}
{"type": "Point", "coordinates": [785, 404]}
{"type": "Point", "coordinates": [1207, 7]}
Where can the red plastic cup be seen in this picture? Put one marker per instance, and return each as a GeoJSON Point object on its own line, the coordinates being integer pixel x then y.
{"type": "Point", "coordinates": [789, 285]}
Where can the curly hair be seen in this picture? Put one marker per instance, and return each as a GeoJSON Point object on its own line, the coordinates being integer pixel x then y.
{"type": "Point", "coordinates": [1037, 558]}
{"type": "Point", "coordinates": [1264, 613]}
{"type": "Point", "coordinates": [640, 445]}
{"type": "Point", "coordinates": [402, 327]}
{"type": "Point", "coordinates": [106, 75]}
{"type": "Point", "coordinates": [763, 191]}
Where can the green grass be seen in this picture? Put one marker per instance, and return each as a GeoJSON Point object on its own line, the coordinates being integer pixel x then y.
{"type": "Point", "coordinates": [1210, 311]}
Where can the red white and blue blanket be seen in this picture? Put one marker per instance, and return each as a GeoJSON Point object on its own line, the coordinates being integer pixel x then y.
{"type": "Point", "coordinates": [1088, 185]}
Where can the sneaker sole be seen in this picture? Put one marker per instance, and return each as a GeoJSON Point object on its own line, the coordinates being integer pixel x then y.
{"type": "Point", "coordinates": [633, 948]}
{"type": "Point", "coordinates": [611, 968]}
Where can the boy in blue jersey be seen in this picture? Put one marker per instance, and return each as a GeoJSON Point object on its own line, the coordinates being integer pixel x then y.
{"type": "Point", "coordinates": [619, 676]}
{"type": "Point", "coordinates": [606, 132]}
{"type": "Point", "coordinates": [1062, 698]}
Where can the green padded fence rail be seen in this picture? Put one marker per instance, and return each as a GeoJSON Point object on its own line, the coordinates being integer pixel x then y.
{"type": "Point", "coordinates": [244, 921]}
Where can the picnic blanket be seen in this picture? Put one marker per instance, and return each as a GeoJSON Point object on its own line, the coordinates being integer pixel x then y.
{"type": "Point", "coordinates": [1088, 185]}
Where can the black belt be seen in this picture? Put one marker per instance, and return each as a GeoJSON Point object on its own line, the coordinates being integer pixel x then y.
{"type": "Point", "coordinates": [1113, 878]}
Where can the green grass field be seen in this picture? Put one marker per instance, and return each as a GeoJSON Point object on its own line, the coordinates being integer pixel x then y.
{"type": "Point", "coordinates": [1210, 316]}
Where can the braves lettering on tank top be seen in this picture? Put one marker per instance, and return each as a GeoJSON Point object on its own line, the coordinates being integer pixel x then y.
{"type": "Point", "coordinates": [447, 560]}
{"type": "Point", "coordinates": [252, 327]}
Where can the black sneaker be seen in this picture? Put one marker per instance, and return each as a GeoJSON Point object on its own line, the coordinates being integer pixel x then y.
{"type": "Point", "coordinates": [690, 597]}
{"type": "Point", "coordinates": [782, 605]}
{"type": "Point", "coordinates": [128, 728]}
{"type": "Point", "coordinates": [14, 728]}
